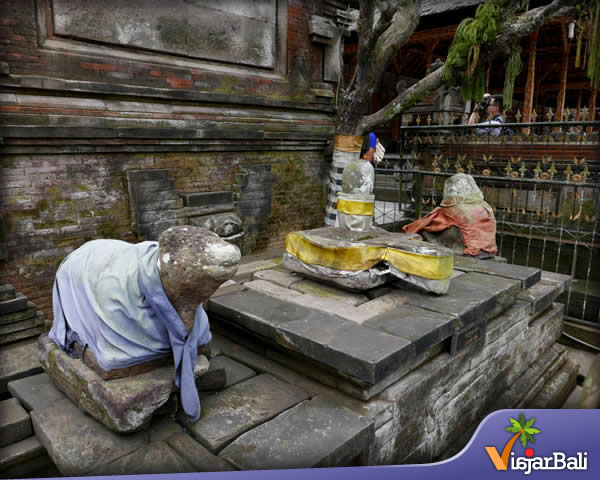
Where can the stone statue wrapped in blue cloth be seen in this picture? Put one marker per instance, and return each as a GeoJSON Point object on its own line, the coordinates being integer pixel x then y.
{"type": "Point", "coordinates": [132, 304]}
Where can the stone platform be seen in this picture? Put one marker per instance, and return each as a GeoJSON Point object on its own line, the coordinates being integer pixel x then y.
{"type": "Point", "coordinates": [386, 376]}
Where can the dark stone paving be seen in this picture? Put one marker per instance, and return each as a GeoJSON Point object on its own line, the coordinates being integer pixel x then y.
{"type": "Point", "coordinates": [7, 292]}
{"type": "Point", "coordinates": [315, 433]}
{"type": "Point", "coordinates": [18, 453]}
{"type": "Point", "coordinates": [198, 456]}
{"type": "Point", "coordinates": [228, 414]}
{"type": "Point", "coordinates": [235, 372]}
{"type": "Point", "coordinates": [35, 392]}
{"type": "Point", "coordinates": [540, 296]}
{"type": "Point", "coordinates": [528, 275]}
{"type": "Point", "coordinates": [15, 424]}
{"type": "Point", "coordinates": [423, 327]}
{"type": "Point", "coordinates": [28, 312]}
{"type": "Point", "coordinates": [157, 457]}
{"type": "Point", "coordinates": [18, 361]}
{"type": "Point", "coordinates": [14, 304]}
{"type": "Point", "coordinates": [76, 442]}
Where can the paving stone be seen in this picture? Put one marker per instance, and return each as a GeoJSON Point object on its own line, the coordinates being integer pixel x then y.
{"type": "Point", "coordinates": [235, 371]}
{"type": "Point", "coordinates": [76, 442]}
{"type": "Point", "coordinates": [15, 424]}
{"type": "Point", "coordinates": [422, 327]}
{"type": "Point", "coordinates": [505, 289]}
{"type": "Point", "coordinates": [332, 306]}
{"type": "Point", "coordinates": [162, 428]}
{"type": "Point", "coordinates": [19, 453]}
{"type": "Point", "coordinates": [385, 303]}
{"type": "Point", "coordinates": [540, 296]}
{"type": "Point", "coordinates": [315, 433]}
{"type": "Point", "coordinates": [14, 327]}
{"type": "Point", "coordinates": [360, 352]}
{"type": "Point", "coordinates": [377, 292]}
{"type": "Point", "coordinates": [214, 379]}
{"type": "Point", "coordinates": [18, 361]}
{"type": "Point", "coordinates": [13, 305]}
{"type": "Point", "coordinates": [246, 270]}
{"type": "Point", "coordinates": [563, 282]}
{"type": "Point", "coordinates": [35, 392]}
{"type": "Point", "coordinates": [124, 404]}
{"type": "Point", "coordinates": [558, 389]}
{"type": "Point", "coordinates": [283, 279]}
{"type": "Point", "coordinates": [465, 301]}
{"type": "Point", "coordinates": [228, 288]}
{"type": "Point", "coordinates": [528, 275]}
{"type": "Point", "coordinates": [228, 414]}
{"type": "Point", "coordinates": [156, 457]}
{"type": "Point", "coordinates": [198, 456]}
{"type": "Point", "coordinates": [29, 312]}
{"type": "Point", "coordinates": [21, 335]}
{"type": "Point", "coordinates": [7, 292]}
{"type": "Point", "coordinates": [37, 467]}
{"type": "Point", "coordinates": [331, 293]}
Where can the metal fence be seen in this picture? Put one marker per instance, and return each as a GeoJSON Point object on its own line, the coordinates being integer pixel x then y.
{"type": "Point", "coordinates": [541, 179]}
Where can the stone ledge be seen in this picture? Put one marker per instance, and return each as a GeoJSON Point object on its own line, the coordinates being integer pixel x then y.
{"type": "Point", "coordinates": [15, 424]}
{"type": "Point", "coordinates": [18, 361]}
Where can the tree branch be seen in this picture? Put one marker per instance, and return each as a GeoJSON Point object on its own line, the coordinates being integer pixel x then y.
{"type": "Point", "coordinates": [513, 31]}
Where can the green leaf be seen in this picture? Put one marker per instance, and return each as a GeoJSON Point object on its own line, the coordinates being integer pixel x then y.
{"type": "Point", "coordinates": [515, 424]}
{"type": "Point", "coordinates": [513, 429]}
{"type": "Point", "coordinates": [532, 439]}
{"type": "Point", "coordinates": [523, 440]}
{"type": "Point", "coordinates": [522, 420]}
{"type": "Point", "coordinates": [531, 430]}
{"type": "Point", "coordinates": [530, 422]}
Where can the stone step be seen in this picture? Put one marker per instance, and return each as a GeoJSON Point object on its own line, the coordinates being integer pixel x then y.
{"type": "Point", "coordinates": [13, 305]}
{"type": "Point", "coordinates": [557, 390]}
{"type": "Point", "coordinates": [562, 282]}
{"type": "Point", "coordinates": [7, 292]}
{"type": "Point", "coordinates": [76, 442]}
{"type": "Point", "coordinates": [325, 291]}
{"type": "Point", "coordinates": [154, 458]}
{"type": "Point", "coordinates": [29, 312]}
{"type": "Point", "coordinates": [35, 321]}
{"type": "Point", "coordinates": [198, 456]}
{"type": "Point", "coordinates": [35, 392]}
{"type": "Point", "coordinates": [18, 361]}
{"type": "Point", "coordinates": [18, 454]}
{"type": "Point", "coordinates": [228, 414]}
{"type": "Point", "coordinates": [15, 424]}
{"type": "Point", "coordinates": [315, 433]}
{"type": "Point", "coordinates": [540, 296]}
{"type": "Point", "coordinates": [21, 335]}
{"type": "Point", "coordinates": [528, 275]}
{"type": "Point", "coordinates": [235, 372]}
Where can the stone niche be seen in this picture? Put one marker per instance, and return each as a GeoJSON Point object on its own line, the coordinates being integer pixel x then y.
{"type": "Point", "coordinates": [229, 31]}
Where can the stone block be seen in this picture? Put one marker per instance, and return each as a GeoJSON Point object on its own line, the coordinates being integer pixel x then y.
{"type": "Point", "coordinates": [21, 335]}
{"type": "Point", "coordinates": [15, 424]}
{"type": "Point", "coordinates": [18, 361]}
{"type": "Point", "coordinates": [77, 443]}
{"type": "Point", "coordinates": [360, 352]}
{"type": "Point", "coordinates": [19, 453]}
{"type": "Point", "coordinates": [162, 428]}
{"type": "Point", "coordinates": [37, 467]}
{"type": "Point", "coordinates": [209, 200]}
{"type": "Point", "coordinates": [315, 433]}
{"type": "Point", "coordinates": [246, 270]}
{"type": "Point", "coordinates": [540, 296]}
{"type": "Point", "coordinates": [505, 289]}
{"type": "Point", "coordinates": [528, 275]}
{"type": "Point", "coordinates": [227, 288]}
{"type": "Point", "coordinates": [331, 293]}
{"type": "Point", "coordinates": [563, 282]}
{"type": "Point", "coordinates": [228, 414]}
{"type": "Point", "coordinates": [7, 292]}
{"type": "Point", "coordinates": [124, 404]}
{"type": "Point", "coordinates": [283, 279]}
{"type": "Point", "coordinates": [214, 379]}
{"type": "Point", "coordinates": [13, 305]}
{"type": "Point", "coordinates": [422, 327]}
{"type": "Point", "coordinates": [557, 390]}
{"type": "Point", "coordinates": [154, 458]}
{"type": "Point", "coordinates": [377, 292]}
{"type": "Point", "coordinates": [388, 302]}
{"type": "Point", "coordinates": [464, 300]}
{"type": "Point", "coordinates": [27, 313]}
{"type": "Point", "coordinates": [30, 323]}
{"type": "Point", "coordinates": [198, 456]}
{"type": "Point", "coordinates": [235, 372]}
{"type": "Point", "coordinates": [467, 336]}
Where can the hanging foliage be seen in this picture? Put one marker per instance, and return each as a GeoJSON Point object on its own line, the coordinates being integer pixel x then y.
{"type": "Point", "coordinates": [513, 68]}
{"type": "Point", "coordinates": [594, 50]}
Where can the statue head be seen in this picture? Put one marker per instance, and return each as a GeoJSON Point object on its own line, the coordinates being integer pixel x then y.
{"type": "Point", "coordinates": [193, 262]}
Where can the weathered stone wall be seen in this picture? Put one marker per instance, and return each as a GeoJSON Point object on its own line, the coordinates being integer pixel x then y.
{"type": "Point", "coordinates": [84, 98]}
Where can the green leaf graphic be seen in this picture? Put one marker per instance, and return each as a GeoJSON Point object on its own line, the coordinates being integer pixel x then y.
{"type": "Point", "coordinates": [522, 420]}
{"type": "Point", "coordinates": [515, 424]}
{"type": "Point", "coordinates": [523, 440]}
{"type": "Point", "coordinates": [530, 422]}
{"type": "Point", "coordinates": [513, 429]}
{"type": "Point", "coordinates": [531, 430]}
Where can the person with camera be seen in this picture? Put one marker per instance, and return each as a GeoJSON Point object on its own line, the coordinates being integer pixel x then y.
{"type": "Point", "coordinates": [491, 105]}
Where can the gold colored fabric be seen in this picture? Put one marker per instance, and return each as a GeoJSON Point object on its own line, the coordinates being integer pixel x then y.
{"type": "Point", "coordinates": [348, 143]}
{"type": "Point", "coordinates": [352, 207]}
{"type": "Point", "coordinates": [355, 257]}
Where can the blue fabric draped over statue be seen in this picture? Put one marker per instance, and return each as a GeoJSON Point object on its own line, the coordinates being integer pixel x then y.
{"type": "Point", "coordinates": [108, 297]}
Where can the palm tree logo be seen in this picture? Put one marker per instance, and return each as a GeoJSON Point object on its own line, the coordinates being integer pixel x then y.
{"type": "Point", "coordinates": [521, 428]}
